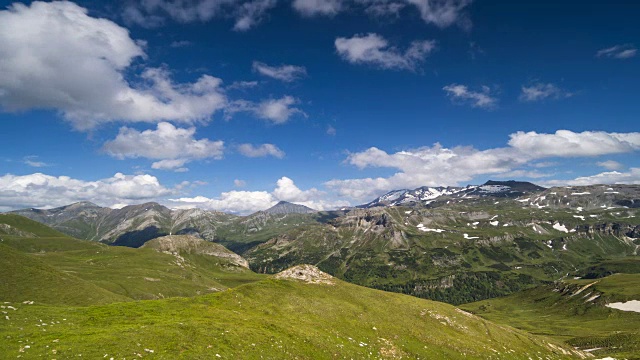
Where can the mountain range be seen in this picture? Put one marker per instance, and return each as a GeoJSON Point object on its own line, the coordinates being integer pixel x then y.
{"type": "Point", "coordinates": [429, 242]}
{"type": "Point", "coordinates": [455, 245]}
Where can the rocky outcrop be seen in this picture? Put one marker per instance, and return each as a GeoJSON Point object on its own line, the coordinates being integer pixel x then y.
{"type": "Point", "coordinates": [611, 229]}
{"type": "Point", "coordinates": [187, 244]}
{"type": "Point", "coordinates": [306, 273]}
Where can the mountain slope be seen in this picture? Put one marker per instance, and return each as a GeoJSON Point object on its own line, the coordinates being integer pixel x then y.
{"type": "Point", "coordinates": [427, 195]}
{"type": "Point", "coordinates": [272, 319]}
{"type": "Point", "coordinates": [92, 269]}
{"type": "Point", "coordinates": [284, 207]}
{"type": "Point", "coordinates": [575, 311]}
{"type": "Point", "coordinates": [456, 253]}
{"type": "Point", "coordinates": [131, 225]}
{"type": "Point", "coordinates": [28, 278]}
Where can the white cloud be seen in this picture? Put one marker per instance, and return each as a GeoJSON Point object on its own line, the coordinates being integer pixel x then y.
{"type": "Point", "coordinates": [245, 202]}
{"type": "Point", "coordinates": [44, 191]}
{"type": "Point", "coordinates": [442, 13]}
{"type": "Point", "coordinates": [541, 91]}
{"type": "Point", "coordinates": [37, 43]}
{"type": "Point", "coordinates": [631, 177]}
{"type": "Point", "coordinates": [625, 51]}
{"type": "Point", "coordinates": [331, 130]}
{"type": "Point", "coordinates": [174, 146]}
{"type": "Point", "coordinates": [276, 111]}
{"type": "Point", "coordinates": [239, 183]}
{"type": "Point", "coordinates": [32, 161]}
{"type": "Point", "coordinates": [286, 190]}
{"type": "Point", "coordinates": [610, 165]}
{"type": "Point", "coordinates": [565, 143]}
{"type": "Point", "coordinates": [374, 50]}
{"type": "Point", "coordinates": [478, 99]}
{"type": "Point", "coordinates": [176, 165]}
{"type": "Point", "coordinates": [263, 150]}
{"type": "Point", "coordinates": [251, 13]}
{"type": "Point", "coordinates": [236, 202]}
{"type": "Point", "coordinates": [286, 73]}
{"type": "Point", "coordinates": [439, 166]}
{"type": "Point", "coordinates": [318, 7]}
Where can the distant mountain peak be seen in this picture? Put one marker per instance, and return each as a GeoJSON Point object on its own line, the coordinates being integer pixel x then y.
{"type": "Point", "coordinates": [427, 194]}
{"type": "Point", "coordinates": [285, 207]}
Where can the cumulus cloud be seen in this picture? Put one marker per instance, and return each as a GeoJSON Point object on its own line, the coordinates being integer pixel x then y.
{"type": "Point", "coordinates": [276, 111]}
{"type": "Point", "coordinates": [318, 7]}
{"type": "Point", "coordinates": [611, 177]}
{"type": "Point", "coordinates": [286, 73]}
{"type": "Point", "coordinates": [610, 165]}
{"type": "Point", "coordinates": [625, 51]}
{"type": "Point", "coordinates": [331, 130]}
{"type": "Point", "coordinates": [173, 146]}
{"type": "Point", "coordinates": [440, 166]}
{"type": "Point", "coordinates": [239, 183]}
{"type": "Point", "coordinates": [244, 202]}
{"type": "Point", "coordinates": [37, 43]}
{"type": "Point", "coordinates": [565, 143]}
{"type": "Point", "coordinates": [263, 150]}
{"type": "Point", "coordinates": [373, 49]}
{"type": "Point", "coordinates": [235, 202]}
{"type": "Point", "coordinates": [463, 95]}
{"type": "Point", "coordinates": [45, 191]}
{"type": "Point", "coordinates": [541, 91]}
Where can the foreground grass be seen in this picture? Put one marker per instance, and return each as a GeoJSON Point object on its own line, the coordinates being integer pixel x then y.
{"type": "Point", "coordinates": [271, 319]}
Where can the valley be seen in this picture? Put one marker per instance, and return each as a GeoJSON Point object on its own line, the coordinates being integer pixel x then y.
{"type": "Point", "coordinates": [514, 256]}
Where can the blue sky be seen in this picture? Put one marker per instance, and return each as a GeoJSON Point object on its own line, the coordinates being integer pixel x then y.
{"type": "Point", "coordinates": [234, 105]}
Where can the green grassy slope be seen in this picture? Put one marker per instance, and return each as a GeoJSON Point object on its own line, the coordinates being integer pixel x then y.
{"type": "Point", "coordinates": [27, 278]}
{"type": "Point", "coordinates": [25, 225]}
{"type": "Point", "coordinates": [574, 311]}
{"type": "Point", "coordinates": [270, 319]}
{"type": "Point", "coordinates": [119, 273]}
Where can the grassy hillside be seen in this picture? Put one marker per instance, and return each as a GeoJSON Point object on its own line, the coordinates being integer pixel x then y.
{"type": "Point", "coordinates": [269, 319]}
{"type": "Point", "coordinates": [35, 267]}
{"type": "Point", "coordinates": [11, 224]}
{"type": "Point", "coordinates": [28, 278]}
{"type": "Point", "coordinates": [574, 311]}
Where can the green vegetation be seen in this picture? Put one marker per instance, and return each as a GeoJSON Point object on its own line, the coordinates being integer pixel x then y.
{"type": "Point", "coordinates": [574, 311]}
{"type": "Point", "coordinates": [270, 319]}
{"type": "Point", "coordinates": [507, 247]}
{"type": "Point", "coordinates": [62, 270]}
